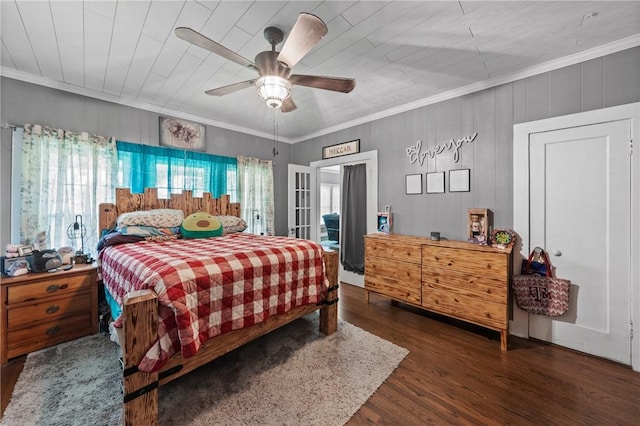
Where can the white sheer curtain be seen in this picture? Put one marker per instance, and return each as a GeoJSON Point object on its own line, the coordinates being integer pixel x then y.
{"type": "Point", "coordinates": [64, 175]}
{"type": "Point", "coordinates": [255, 185]}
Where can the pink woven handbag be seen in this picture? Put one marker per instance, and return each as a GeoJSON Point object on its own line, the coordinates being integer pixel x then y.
{"type": "Point", "coordinates": [541, 294]}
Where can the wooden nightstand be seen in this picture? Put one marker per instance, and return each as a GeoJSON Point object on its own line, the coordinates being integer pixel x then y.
{"type": "Point", "coordinates": [44, 309]}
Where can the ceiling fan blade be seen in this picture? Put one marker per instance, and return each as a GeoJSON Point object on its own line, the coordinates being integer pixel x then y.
{"type": "Point", "coordinates": [225, 90]}
{"type": "Point", "coordinates": [307, 31]}
{"type": "Point", "coordinates": [194, 37]}
{"type": "Point", "coordinates": [288, 105]}
{"type": "Point", "coordinates": [344, 85]}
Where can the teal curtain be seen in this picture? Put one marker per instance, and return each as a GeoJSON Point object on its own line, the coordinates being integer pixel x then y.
{"type": "Point", "coordinates": [172, 170]}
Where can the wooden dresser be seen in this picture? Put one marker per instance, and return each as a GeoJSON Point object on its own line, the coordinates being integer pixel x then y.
{"type": "Point", "coordinates": [458, 279]}
{"type": "Point", "coordinates": [44, 309]}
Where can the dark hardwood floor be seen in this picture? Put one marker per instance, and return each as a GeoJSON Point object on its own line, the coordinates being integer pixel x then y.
{"type": "Point", "coordinates": [456, 374]}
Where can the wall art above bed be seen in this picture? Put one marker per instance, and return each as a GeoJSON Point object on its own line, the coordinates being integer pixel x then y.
{"type": "Point", "coordinates": [182, 134]}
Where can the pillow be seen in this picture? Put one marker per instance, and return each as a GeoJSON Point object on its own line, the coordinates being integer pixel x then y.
{"type": "Point", "coordinates": [201, 225]}
{"type": "Point", "coordinates": [148, 231]}
{"type": "Point", "coordinates": [158, 218]}
{"type": "Point", "coordinates": [232, 224]}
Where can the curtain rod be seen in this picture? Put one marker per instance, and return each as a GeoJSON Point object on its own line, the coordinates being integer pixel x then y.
{"type": "Point", "coordinates": [10, 126]}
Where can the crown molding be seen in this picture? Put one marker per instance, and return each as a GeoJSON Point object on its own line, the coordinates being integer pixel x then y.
{"type": "Point", "coordinates": [585, 55]}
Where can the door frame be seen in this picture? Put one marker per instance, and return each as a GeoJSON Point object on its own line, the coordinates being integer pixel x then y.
{"type": "Point", "coordinates": [368, 157]}
{"type": "Point", "coordinates": [519, 325]}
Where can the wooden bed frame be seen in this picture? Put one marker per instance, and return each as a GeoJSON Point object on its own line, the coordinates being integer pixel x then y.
{"type": "Point", "coordinates": [141, 310]}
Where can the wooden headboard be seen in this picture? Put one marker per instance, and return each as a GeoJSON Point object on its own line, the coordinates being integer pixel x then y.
{"type": "Point", "coordinates": [148, 200]}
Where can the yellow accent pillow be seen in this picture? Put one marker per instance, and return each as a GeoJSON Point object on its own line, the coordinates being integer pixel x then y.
{"type": "Point", "coordinates": [201, 225]}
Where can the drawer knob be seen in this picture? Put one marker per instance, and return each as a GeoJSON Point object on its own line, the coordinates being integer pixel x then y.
{"type": "Point", "coordinates": [53, 330]}
{"type": "Point", "coordinates": [53, 309]}
{"type": "Point", "coordinates": [55, 287]}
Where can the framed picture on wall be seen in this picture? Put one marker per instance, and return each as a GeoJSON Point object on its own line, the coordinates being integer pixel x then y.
{"type": "Point", "coordinates": [413, 184]}
{"type": "Point", "coordinates": [460, 180]}
{"type": "Point", "coordinates": [182, 134]}
{"type": "Point", "coordinates": [435, 183]}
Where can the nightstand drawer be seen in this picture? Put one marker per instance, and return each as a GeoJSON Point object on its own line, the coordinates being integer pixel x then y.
{"type": "Point", "coordinates": [53, 286]}
{"type": "Point", "coordinates": [46, 334]}
{"type": "Point", "coordinates": [48, 310]}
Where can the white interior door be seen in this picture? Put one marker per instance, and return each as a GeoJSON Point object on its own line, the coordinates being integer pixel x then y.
{"type": "Point", "coordinates": [580, 213]}
{"type": "Point", "coordinates": [302, 202]}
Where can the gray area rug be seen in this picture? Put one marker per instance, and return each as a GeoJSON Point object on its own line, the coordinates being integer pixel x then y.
{"type": "Point", "coordinates": [292, 376]}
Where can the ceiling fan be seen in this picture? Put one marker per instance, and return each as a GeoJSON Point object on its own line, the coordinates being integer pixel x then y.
{"type": "Point", "coordinates": [275, 80]}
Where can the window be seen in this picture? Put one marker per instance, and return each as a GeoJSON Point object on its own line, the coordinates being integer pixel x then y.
{"type": "Point", "coordinates": [60, 176]}
{"type": "Point", "coordinates": [329, 198]}
{"type": "Point", "coordinates": [256, 188]}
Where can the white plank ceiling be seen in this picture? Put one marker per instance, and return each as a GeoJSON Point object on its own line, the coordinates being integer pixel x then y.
{"type": "Point", "coordinates": [403, 54]}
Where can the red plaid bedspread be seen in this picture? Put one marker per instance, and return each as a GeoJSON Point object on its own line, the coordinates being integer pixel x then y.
{"type": "Point", "coordinates": [210, 286]}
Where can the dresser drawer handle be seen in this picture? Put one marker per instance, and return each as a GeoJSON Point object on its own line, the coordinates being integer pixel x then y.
{"type": "Point", "coordinates": [53, 309]}
{"type": "Point", "coordinates": [53, 330]}
{"type": "Point", "coordinates": [55, 287]}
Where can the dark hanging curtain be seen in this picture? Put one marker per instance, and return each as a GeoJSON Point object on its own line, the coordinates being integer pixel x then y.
{"type": "Point", "coordinates": [354, 218]}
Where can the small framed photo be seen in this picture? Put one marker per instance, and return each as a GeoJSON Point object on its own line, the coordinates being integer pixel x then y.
{"type": "Point", "coordinates": [479, 225]}
{"type": "Point", "coordinates": [435, 183]}
{"type": "Point", "coordinates": [460, 180]}
{"type": "Point", "coordinates": [14, 266]}
{"type": "Point", "coordinates": [413, 184]}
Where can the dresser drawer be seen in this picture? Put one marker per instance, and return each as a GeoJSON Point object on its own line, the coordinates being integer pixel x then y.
{"type": "Point", "coordinates": [396, 289]}
{"type": "Point", "coordinates": [464, 306]}
{"type": "Point", "coordinates": [46, 334]}
{"type": "Point", "coordinates": [54, 286]}
{"type": "Point", "coordinates": [399, 280]}
{"type": "Point", "coordinates": [48, 310]}
{"type": "Point", "coordinates": [468, 283]}
{"type": "Point", "coordinates": [393, 250]}
{"type": "Point", "coordinates": [478, 263]}
{"type": "Point", "coordinates": [403, 271]}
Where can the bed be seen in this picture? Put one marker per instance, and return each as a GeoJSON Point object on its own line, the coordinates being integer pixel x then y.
{"type": "Point", "coordinates": [147, 333]}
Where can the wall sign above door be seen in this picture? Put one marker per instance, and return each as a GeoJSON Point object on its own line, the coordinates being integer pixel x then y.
{"type": "Point", "coordinates": [338, 150]}
{"type": "Point", "coordinates": [414, 152]}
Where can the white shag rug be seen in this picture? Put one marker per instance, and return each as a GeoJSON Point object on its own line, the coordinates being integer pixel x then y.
{"type": "Point", "coordinates": [292, 376]}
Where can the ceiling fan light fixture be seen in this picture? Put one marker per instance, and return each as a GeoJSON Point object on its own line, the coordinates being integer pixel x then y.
{"type": "Point", "coordinates": [273, 90]}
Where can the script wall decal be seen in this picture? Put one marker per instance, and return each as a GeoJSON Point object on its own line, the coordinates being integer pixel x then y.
{"type": "Point", "coordinates": [415, 153]}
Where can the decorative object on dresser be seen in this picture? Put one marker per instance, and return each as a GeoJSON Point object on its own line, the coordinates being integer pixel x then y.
{"type": "Point", "coordinates": [479, 225]}
{"type": "Point", "coordinates": [385, 222]}
{"type": "Point", "coordinates": [44, 309]}
{"type": "Point", "coordinates": [458, 279]}
{"type": "Point", "coordinates": [503, 238]}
